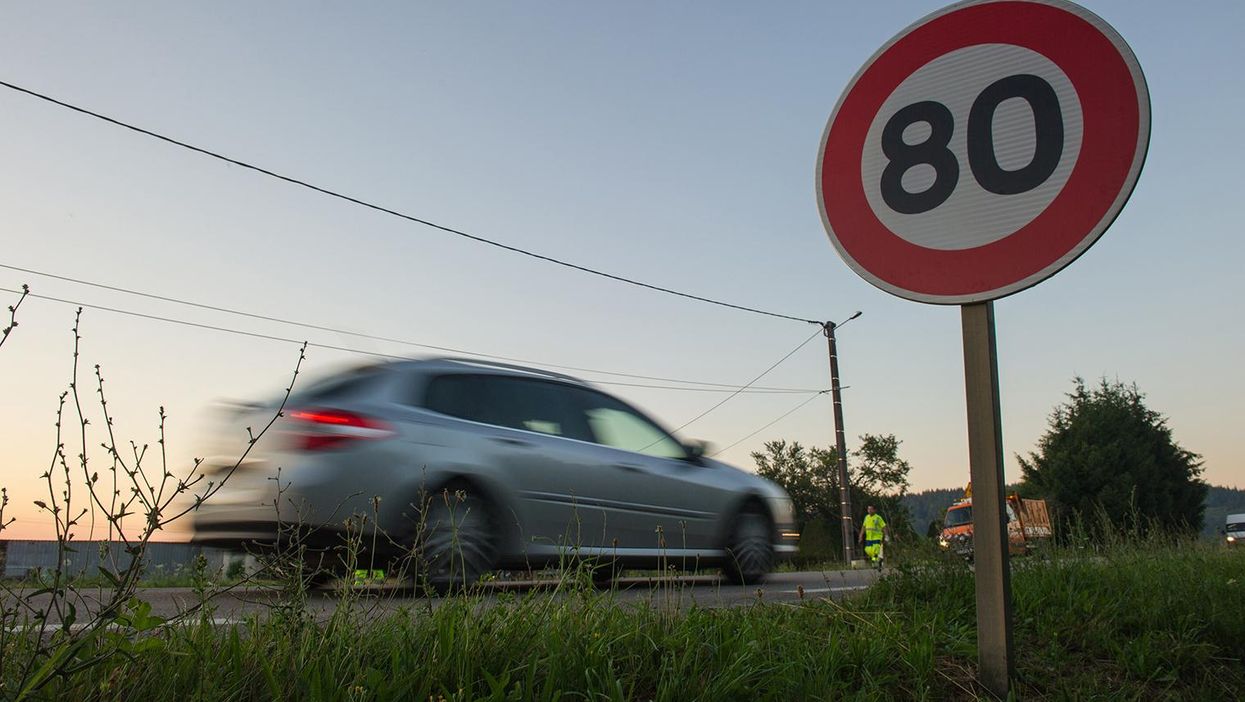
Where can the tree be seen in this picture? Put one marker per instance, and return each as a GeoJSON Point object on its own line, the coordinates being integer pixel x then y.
{"type": "Point", "coordinates": [1105, 450]}
{"type": "Point", "coordinates": [878, 468]}
{"type": "Point", "coordinates": [880, 477]}
{"type": "Point", "coordinates": [809, 475]}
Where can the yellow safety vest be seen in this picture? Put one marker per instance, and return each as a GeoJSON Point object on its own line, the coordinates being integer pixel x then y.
{"type": "Point", "coordinates": [873, 527]}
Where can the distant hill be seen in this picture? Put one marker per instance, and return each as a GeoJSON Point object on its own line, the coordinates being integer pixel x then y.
{"type": "Point", "coordinates": [928, 505]}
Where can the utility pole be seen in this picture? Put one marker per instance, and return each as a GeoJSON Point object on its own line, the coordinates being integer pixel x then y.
{"type": "Point", "coordinates": [845, 495]}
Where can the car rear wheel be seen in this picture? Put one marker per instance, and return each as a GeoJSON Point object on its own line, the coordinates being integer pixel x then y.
{"type": "Point", "coordinates": [459, 543]}
{"type": "Point", "coordinates": [750, 548]}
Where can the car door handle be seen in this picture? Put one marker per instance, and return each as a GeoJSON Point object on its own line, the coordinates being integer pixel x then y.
{"type": "Point", "coordinates": [632, 467]}
{"type": "Point", "coordinates": [511, 441]}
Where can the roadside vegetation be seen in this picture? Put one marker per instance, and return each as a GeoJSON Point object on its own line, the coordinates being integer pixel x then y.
{"type": "Point", "coordinates": [1122, 620]}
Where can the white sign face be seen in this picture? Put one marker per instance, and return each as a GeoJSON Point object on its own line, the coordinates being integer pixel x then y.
{"type": "Point", "coordinates": [983, 149]}
{"type": "Point", "coordinates": [957, 80]}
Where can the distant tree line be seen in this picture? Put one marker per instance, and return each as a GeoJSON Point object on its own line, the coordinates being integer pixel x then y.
{"type": "Point", "coordinates": [926, 508]}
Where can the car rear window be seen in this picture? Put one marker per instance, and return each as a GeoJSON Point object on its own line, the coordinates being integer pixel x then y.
{"type": "Point", "coordinates": [507, 401]}
{"type": "Point", "coordinates": [349, 383]}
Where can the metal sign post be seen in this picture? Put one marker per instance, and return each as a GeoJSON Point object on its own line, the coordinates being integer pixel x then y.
{"type": "Point", "coordinates": [985, 457]}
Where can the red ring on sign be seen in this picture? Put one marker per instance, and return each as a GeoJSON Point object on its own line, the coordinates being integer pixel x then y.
{"type": "Point", "coordinates": [1111, 121]}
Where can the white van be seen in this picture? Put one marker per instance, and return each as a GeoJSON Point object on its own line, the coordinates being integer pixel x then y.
{"type": "Point", "coordinates": [1234, 530]}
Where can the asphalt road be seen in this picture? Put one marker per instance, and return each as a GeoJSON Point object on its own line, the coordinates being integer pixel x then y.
{"type": "Point", "coordinates": [669, 592]}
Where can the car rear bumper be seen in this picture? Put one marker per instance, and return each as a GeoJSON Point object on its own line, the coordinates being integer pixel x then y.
{"type": "Point", "coordinates": [233, 534]}
{"type": "Point", "coordinates": [264, 535]}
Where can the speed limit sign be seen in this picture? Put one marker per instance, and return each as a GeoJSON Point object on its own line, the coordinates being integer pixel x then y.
{"type": "Point", "coordinates": [983, 149]}
{"type": "Point", "coordinates": [977, 153]}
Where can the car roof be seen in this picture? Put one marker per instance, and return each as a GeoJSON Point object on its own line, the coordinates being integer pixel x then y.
{"type": "Point", "coordinates": [450, 364]}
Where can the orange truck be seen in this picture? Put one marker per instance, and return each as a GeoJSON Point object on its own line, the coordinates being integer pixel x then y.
{"type": "Point", "coordinates": [1028, 524]}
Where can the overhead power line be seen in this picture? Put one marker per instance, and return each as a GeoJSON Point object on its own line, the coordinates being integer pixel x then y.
{"type": "Point", "coordinates": [732, 396]}
{"type": "Point", "coordinates": [411, 218]}
{"type": "Point", "coordinates": [25, 292]}
{"type": "Point", "coordinates": [364, 352]}
{"type": "Point", "coordinates": [725, 387]}
{"type": "Point", "coordinates": [781, 417]}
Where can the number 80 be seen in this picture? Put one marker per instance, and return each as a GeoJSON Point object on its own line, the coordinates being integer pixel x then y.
{"type": "Point", "coordinates": [1048, 123]}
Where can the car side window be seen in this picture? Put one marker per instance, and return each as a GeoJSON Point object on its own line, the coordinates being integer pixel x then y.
{"type": "Point", "coordinates": [537, 405]}
{"type": "Point", "coordinates": [507, 401]}
{"type": "Point", "coordinates": [617, 425]}
{"type": "Point", "coordinates": [459, 396]}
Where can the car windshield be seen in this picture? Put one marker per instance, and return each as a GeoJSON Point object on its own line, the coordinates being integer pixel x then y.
{"type": "Point", "coordinates": [1236, 526]}
{"type": "Point", "coordinates": [958, 517]}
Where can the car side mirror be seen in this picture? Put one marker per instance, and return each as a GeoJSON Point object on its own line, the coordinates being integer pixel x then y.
{"type": "Point", "coordinates": [696, 451]}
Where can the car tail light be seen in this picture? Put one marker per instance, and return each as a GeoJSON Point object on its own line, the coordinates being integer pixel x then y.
{"type": "Point", "coordinates": [321, 429]}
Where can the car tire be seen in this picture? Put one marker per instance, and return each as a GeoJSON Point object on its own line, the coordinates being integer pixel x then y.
{"type": "Point", "coordinates": [750, 548]}
{"type": "Point", "coordinates": [458, 545]}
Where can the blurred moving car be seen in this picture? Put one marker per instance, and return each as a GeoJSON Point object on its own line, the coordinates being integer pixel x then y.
{"type": "Point", "coordinates": [480, 466]}
{"type": "Point", "coordinates": [1234, 530]}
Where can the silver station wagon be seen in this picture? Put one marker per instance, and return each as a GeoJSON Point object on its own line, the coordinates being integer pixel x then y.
{"type": "Point", "coordinates": [477, 466]}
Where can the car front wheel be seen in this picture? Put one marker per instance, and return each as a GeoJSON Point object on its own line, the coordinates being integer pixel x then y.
{"type": "Point", "coordinates": [750, 549]}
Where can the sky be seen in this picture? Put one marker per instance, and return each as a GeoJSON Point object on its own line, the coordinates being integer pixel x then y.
{"type": "Point", "coordinates": [673, 143]}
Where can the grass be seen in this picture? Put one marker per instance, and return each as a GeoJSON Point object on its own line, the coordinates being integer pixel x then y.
{"type": "Point", "coordinates": [1155, 620]}
{"type": "Point", "coordinates": [1158, 620]}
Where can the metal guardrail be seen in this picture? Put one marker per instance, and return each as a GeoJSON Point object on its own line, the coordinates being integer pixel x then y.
{"type": "Point", "coordinates": [19, 557]}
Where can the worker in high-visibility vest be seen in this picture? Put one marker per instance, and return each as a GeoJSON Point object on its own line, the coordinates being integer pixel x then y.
{"type": "Point", "coordinates": [872, 532]}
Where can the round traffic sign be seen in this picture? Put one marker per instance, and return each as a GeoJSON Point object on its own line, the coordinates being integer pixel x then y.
{"type": "Point", "coordinates": [983, 149]}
